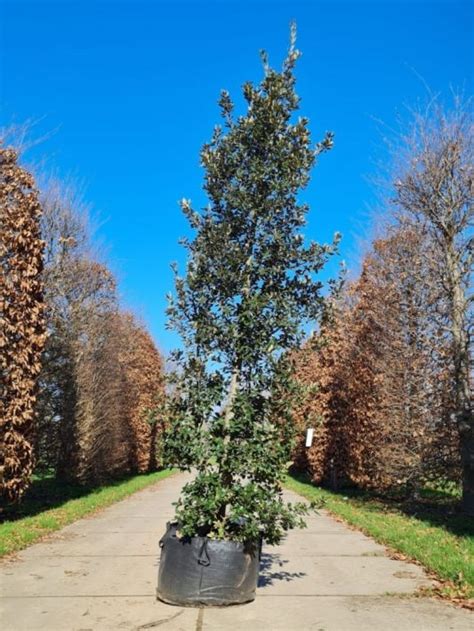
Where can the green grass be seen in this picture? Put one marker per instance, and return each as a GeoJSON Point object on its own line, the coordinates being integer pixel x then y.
{"type": "Point", "coordinates": [49, 505]}
{"type": "Point", "coordinates": [430, 531]}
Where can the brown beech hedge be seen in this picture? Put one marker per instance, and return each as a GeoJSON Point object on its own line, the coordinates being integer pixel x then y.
{"type": "Point", "coordinates": [22, 331]}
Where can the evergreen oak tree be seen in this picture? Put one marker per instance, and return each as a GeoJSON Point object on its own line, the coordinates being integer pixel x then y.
{"type": "Point", "coordinates": [249, 286]}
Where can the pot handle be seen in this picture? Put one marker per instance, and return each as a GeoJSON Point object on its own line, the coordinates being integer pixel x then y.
{"type": "Point", "coordinates": [203, 558]}
{"type": "Point", "coordinates": [168, 534]}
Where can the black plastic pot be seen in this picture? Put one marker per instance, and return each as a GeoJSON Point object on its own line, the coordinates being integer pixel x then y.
{"type": "Point", "coordinates": [198, 571]}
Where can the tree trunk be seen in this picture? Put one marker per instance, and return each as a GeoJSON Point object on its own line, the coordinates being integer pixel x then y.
{"type": "Point", "coordinates": [233, 388]}
{"type": "Point", "coordinates": [464, 416]}
{"type": "Point", "coordinates": [152, 459]}
{"type": "Point", "coordinates": [234, 383]}
{"type": "Point", "coordinates": [66, 465]}
{"type": "Point", "coordinates": [467, 459]}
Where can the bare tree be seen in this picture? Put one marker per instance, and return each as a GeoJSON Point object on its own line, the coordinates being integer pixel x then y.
{"type": "Point", "coordinates": [80, 294]}
{"type": "Point", "coordinates": [102, 375]}
{"type": "Point", "coordinates": [102, 427]}
{"type": "Point", "coordinates": [435, 188]}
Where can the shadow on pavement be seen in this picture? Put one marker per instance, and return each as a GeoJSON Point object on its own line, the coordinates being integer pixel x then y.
{"type": "Point", "coordinates": [271, 572]}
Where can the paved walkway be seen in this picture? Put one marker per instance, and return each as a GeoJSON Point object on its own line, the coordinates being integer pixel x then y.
{"type": "Point", "coordinates": [100, 573]}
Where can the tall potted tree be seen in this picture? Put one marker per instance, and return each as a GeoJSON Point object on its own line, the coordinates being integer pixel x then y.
{"type": "Point", "coordinates": [249, 286]}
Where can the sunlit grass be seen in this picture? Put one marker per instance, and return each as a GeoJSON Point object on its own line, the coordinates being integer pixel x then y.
{"type": "Point", "coordinates": [50, 505]}
{"type": "Point", "coordinates": [431, 532]}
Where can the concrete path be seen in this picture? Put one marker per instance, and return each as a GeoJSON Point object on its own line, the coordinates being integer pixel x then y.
{"type": "Point", "coordinates": [100, 573]}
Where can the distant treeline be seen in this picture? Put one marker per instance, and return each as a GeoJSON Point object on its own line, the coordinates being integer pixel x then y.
{"type": "Point", "coordinates": [387, 377]}
{"type": "Point", "coordinates": [82, 381]}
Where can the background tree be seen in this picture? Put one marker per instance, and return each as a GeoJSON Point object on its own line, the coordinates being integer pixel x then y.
{"type": "Point", "coordinates": [435, 187]}
{"type": "Point", "coordinates": [249, 284]}
{"type": "Point", "coordinates": [405, 440]}
{"type": "Point", "coordinates": [101, 372]}
{"type": "Point", "coordinates": [320, 368]}
{"type": "Point", "coordinates": [22, 331]}
{"type": "Point", "coordinates": [379, 390]}
{"type": "Point", "coordinates": [388, 376]}
{"type": "Point", "coordinates": [102, 432]}
{"type": "Point", "coordinates": [79, 293]}
{"type": "Point", "coordinates": [143, 385]}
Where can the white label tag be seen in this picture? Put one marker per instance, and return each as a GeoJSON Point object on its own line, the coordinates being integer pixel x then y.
{"type": "Point", "coordinates": [309, 437]}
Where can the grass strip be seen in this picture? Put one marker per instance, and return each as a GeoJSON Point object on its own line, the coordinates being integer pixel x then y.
{"type": "Point", "coordinates": [431, 532]}
{"type": "Point", "coordinates": [50, 505]}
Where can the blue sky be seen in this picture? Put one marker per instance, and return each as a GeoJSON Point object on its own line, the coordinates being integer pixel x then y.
{"type": "Point", "coordinates": [130, 90]}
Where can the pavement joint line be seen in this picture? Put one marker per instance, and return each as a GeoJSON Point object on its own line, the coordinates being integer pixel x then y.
{"type": "Point", "coordinates": [152, 532]}
{"type": "Point", "coordinates": [122, 532]}
{"type": "Point", "coordinates": [200, 619]}
{"type": "Point", "coordinates": [363, 555]}
{"type": "Point", "coordinates": [38, 596]}
{"type": "Point", "coordinates": [259, 595]}
{"type": "Point", "coordinates": [381, 595]}
{"type": "Point", "coordinates": [88, 556]}
{"type": "Point", "coordinates": [322, 532]}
